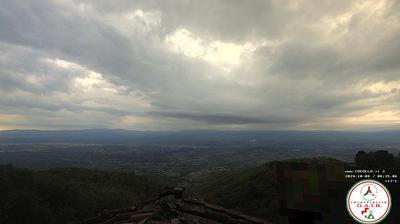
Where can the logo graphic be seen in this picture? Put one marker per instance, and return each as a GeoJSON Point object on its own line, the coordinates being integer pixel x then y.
{"type": "Point", "coordinates": [369, 192]}
{"type": "Point", "coordinates": [368, 201]}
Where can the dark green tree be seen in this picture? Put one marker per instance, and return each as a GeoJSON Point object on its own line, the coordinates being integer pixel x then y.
{"type": "Point", "coordinates": [380, 159]}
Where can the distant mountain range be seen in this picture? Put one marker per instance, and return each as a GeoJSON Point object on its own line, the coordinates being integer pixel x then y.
{"type": "Point", "coordinates": [194, 137]}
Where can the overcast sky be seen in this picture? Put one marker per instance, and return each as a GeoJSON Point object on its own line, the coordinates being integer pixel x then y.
{"type": "Point", "coordinates": [209, 64]}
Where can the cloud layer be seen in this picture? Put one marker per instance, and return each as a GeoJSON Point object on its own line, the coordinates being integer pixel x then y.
{"type": "Point", "coordinates": [167, 65]}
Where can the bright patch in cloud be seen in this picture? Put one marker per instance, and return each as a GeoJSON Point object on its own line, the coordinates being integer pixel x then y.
{"type": "Point", "coordinates": [62, 63]}
{"type": "Point", "coordinates": [374, 118]}
{"type": "Point", "coordinates": [11, 121]}
{"type": "Point", "coordinates": [221, 54]}
{"type": "Point", "coordinates": [146, 18]}
{"type": "Point", "coordinates": [135, 23]}
{"type": "Point", "coordinates": [85, 79]}
{"type": "Point", "coordinates": [384, 87]}
{"type": "Point", "coordinates": [93, 91]}
{"type": "Point", "coordinates": [94, 80]}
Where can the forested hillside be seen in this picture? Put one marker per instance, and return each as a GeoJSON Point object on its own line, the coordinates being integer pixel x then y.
{"type": "Point", "coordinates": [254, 190]}
{"type": "Point", "coordinates": [69, 194]}
{"type": "Point", "coordinates": [63, 195]}
{"type": "Point", "coordinates": [251, 190]}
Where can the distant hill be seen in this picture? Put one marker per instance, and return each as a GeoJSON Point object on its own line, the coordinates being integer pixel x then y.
{"type": "Point", "coordinates": [193, 137]}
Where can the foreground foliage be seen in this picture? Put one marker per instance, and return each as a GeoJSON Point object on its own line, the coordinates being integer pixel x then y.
{"type": "Point", "coordinates": [254, 190]}
{"type": "Point", "coordinates": [64, 195]}
{"type": "Point", "coordinates": [69, 194]}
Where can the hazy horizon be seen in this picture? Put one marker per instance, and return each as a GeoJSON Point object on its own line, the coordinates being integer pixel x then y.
{"type": "Point", "coordinates": [208, 130]}
{"type": "Point", "coordinates": [213, 65]}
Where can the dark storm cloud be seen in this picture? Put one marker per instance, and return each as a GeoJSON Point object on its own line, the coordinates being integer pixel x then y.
{"type": "Point", "coordinates": [164, 64]}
